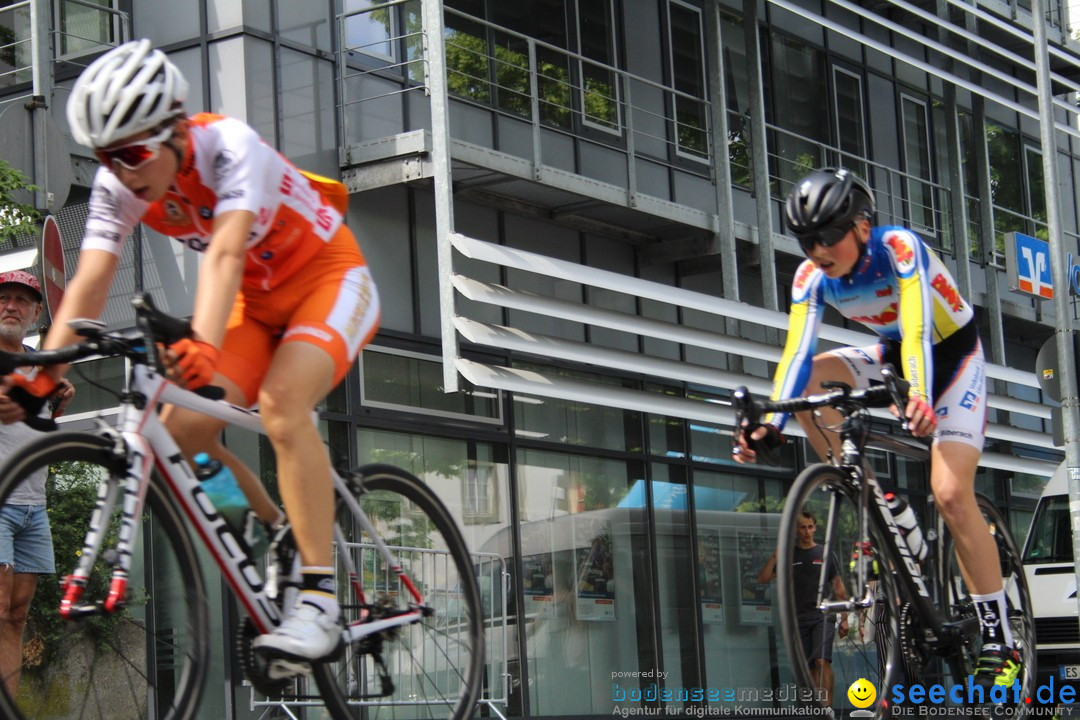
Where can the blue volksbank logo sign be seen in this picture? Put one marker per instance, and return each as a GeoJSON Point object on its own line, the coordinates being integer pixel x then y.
{"type": "Point", "coordinates": [1027, 262]}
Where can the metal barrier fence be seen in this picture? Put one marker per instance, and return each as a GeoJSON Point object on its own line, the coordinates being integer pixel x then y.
{"type": "Point", "coordinates": [417, 661]}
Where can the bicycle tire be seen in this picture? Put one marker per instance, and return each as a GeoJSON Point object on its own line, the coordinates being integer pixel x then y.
{"type": "Point", "coordinates": [958, 606]}
{"type": "Point", "coordinates": [100, 670]}
{"type": "Point", "coordinates": [432, 684]}
{"type": "Point", "coordinates": [871, 650]}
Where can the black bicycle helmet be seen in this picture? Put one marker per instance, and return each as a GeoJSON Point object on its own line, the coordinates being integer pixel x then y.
{"type": "Point", "coordinates": [829, 197]}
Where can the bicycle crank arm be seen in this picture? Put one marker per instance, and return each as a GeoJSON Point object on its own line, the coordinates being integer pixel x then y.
{"type": "Point", "coordinates": [842, 606]}
{"type": "Point", "coordinates": [363, 629]}
{"type": "Point", "coordinates": [77, 612]}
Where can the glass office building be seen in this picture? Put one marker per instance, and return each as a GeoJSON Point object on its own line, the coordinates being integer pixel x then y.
{"type": "Point", "coordinates": [572, 212]}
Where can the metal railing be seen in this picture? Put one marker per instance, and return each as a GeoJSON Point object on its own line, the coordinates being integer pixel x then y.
{"type": "Point", "coordinates": [418, 657]}
{"type": "Point", "coordinates": [72, 38]}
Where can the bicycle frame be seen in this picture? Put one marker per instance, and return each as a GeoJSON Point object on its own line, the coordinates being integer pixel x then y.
{"type": "Point", "coordinates": [144, 443]}
{"type": "Point", "coordinates": [872, 497]}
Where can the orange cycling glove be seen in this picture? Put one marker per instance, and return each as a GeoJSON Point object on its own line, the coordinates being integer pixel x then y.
{"type": "Point", "coordinates": [31, 395]}
{"type": "Point", "coordinates": [197, 361]}
{"type": "Point", "coordinates": [42, 386]}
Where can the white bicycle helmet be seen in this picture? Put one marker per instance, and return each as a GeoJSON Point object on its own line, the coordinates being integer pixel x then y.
{"type": "Point", "coordinates": [130, 89]}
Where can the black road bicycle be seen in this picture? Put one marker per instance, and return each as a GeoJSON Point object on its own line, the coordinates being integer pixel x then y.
{"type": "Point", "coordinates": [137, 630]}
{"type": "Point", "coordinates": [910, 622]}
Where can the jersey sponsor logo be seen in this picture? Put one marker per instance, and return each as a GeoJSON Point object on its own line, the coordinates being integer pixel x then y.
{"type": "Point", "coordinates": [884, 292]}
{"type": "Point", "coordinates": [224, 162]}
{"type": "Point", "coordinates": [105, 202]}
{"type": "Point", "coordinates": [886, 317]}
{"type": "Point", "coordinates": [902, 250]}
{"type": "Point", "coordinates": [174, 214]}
{"type": "Point", "coordinates": [804, 276]}
{"type": "Point", "coordinates": [195, 242]}
{"type": "Point", "coordinates": [970, 401]}
{"type": "Point", "coordinates": [947, 292]}
{"type": "Point", "coordinates": [232, 194]}
{"type": "Point", "coordinates": [955, 433]}
{"type": "Point", "coordinates": [862, 355]}
{"type": "Point", "coordinates": [942, 412]}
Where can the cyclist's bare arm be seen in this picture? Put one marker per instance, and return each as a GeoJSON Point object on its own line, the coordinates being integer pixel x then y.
{"type": "Point", "coordinates": [220, 275]}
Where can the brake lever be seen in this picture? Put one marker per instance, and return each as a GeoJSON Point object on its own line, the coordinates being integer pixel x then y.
{"type": "Point", "coordinates": [897, 390]}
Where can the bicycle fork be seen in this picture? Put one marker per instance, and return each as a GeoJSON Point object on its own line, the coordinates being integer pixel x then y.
{"type": "Point", "coordinates": [132, 491]}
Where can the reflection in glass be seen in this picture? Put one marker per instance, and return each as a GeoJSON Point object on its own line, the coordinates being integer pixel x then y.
{"type": "Point", "coordinates": [917, 161]}
{"type": "Point", "coordinates": [582, 546]}
{"type": "Point", "coordinates": [688, 76]}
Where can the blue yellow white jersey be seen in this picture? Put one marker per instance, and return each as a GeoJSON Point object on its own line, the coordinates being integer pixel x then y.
{"type": "Point", "coordinates": [900, 289]}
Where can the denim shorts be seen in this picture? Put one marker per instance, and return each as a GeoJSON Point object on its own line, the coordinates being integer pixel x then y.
{"type": "Point", "coordinates": [26, 539]}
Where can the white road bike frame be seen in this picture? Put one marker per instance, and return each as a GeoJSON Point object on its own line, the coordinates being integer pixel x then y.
{"type": "Point", "coordinates": [145, 443]}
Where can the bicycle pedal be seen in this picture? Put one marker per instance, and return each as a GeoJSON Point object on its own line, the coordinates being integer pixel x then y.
{"type": "Point", "coordinates": [282, 669]}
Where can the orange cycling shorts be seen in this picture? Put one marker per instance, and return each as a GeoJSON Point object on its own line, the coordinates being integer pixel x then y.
{"type": "Point", "coordinates": [331, 303]}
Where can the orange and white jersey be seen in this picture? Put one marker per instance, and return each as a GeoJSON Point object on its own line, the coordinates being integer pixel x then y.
{"type": "Point", "coordinates": [227, 167]}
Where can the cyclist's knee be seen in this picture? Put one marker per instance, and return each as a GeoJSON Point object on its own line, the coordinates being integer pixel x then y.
{"type": "Point", "coordinates": [283, 416]}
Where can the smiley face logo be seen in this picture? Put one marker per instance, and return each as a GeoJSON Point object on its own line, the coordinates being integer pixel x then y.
{"type": "Point", "coordinates": [862, 693]}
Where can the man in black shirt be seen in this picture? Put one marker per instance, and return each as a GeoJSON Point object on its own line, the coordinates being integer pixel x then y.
{"type": "Point", "coordinates": [815, 628]}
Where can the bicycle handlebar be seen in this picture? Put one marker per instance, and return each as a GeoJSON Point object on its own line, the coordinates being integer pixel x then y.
{"type": "Point", "coordinates": [151, 327]}
{"type": "Point", "coordinates": [894, 391]}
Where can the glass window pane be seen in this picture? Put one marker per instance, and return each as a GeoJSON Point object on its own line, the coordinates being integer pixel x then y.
{"type": "Point", "coordinates": [369, 28]}
{"type": "Point", "coordinates": [599, 86]}
{"type": "Point", "coordinates": [307, 23]}
{"type": "Point", "coordinates": [799, 84]}
{"type": "Point", "coordinates": [850, 119]}
{"type": "Point", "coordinates": [164, 22]}
{"type": "Point", "coordinates": [576, 423]}
{"type": "Point", "coordinates": [734, 540]}
{"type": "Point", "coordinates": [15, 54]}
{"type": "Point", "coordinates": [405, 380]}
{"type": "Point", "coordinates": [582, 547]}
{"type": "Point", "coordinates": [85, 29]}
{"type": "Point", "coordinates": [917, 163]}
{"type": "Point", "coordinates": [307, 123]}
{"type": "Point", "coordinates": [1035, 185]}
{"type": "Point", "coordinates": [688, 76]}
{"type": "Point", "coordinates": [467, 60]}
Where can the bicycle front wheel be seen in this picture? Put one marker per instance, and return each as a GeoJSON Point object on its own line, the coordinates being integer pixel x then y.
{"type": "Point", "coordinates": [435, 667]}
{"type": "Point", "coordinates": [960, 609]}
{"type": "Point", "coordinates": [147, 660]}
{"type": "Point", "coordinates": [830, 555]}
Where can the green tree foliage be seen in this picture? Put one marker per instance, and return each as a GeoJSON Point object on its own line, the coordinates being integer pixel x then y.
{"type": "Point", "coordinates": [16, 218]}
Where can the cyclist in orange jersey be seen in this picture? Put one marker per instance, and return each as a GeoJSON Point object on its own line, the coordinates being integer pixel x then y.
{"type": "Point", "coordinates": [284, 300]}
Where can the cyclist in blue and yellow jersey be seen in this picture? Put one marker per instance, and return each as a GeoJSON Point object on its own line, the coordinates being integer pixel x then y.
{"type": "Point", "coordinates": [889, 280]}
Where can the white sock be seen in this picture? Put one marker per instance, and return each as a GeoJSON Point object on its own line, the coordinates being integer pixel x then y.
{"type": "Point", "coordinates": [318, 589]}
{"type": "Point", "coordinates": [993, 613]}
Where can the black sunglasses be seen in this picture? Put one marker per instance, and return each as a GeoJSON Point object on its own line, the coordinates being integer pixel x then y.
{"type": "Point", "coordinates": [826, 238]}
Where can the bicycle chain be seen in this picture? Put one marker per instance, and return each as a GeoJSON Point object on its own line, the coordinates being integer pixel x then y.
{"type": "Point", "coordinates": [915, 655]}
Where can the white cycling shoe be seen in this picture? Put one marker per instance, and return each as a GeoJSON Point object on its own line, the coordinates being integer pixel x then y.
{"type": "Point", "coordinates": [306, 634]}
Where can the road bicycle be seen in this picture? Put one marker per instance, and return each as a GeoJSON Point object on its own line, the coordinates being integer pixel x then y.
{"type": "Point", "coordinates": [910, 622]}
{"type": "Point", "coordinates": [136, 626]}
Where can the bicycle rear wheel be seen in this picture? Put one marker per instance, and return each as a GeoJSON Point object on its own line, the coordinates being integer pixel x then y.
{"type": "Point", "coordinates": [870, 650]}
{"type": "Point", "coordinates": [960, 609]}
{"type": "Point", "coordinates": [148, 660]}
{"type": "Point", "coordinates": [436, 666]}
